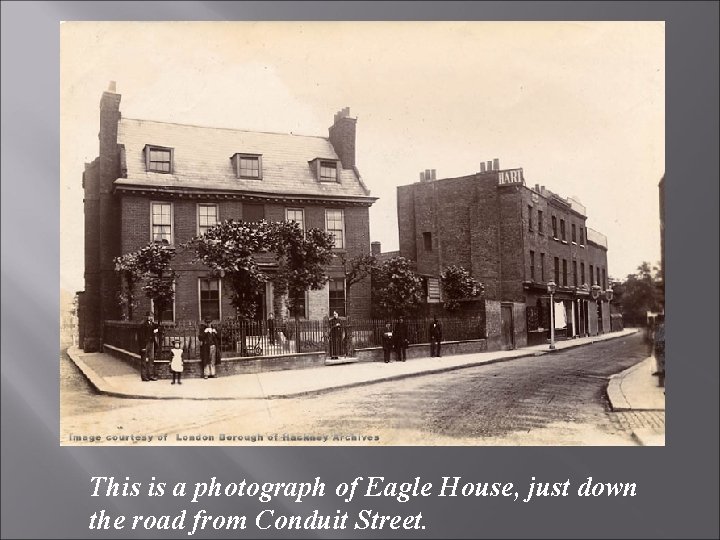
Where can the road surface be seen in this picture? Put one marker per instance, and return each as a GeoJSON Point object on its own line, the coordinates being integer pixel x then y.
{"type": "Point", "coordinates": [555, 399]}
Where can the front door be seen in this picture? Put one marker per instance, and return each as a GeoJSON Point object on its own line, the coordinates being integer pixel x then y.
{"type": "Point", "coordinates": [508, 330]}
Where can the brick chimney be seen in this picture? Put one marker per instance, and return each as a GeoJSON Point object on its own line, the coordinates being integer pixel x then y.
{"type": "Point", "coordinates": [375, 248]}
{"type": "Point", "coordinates": [109, 118]}
{"type": "Point", "coordinates": [342, 137]}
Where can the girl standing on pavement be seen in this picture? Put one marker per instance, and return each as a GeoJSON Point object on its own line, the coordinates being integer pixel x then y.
{"type": "Point", "coordinates": [176, 364]}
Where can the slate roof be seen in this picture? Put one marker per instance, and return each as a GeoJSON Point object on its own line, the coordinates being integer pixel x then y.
{"type": "Point", "coordinates": [202, 160]}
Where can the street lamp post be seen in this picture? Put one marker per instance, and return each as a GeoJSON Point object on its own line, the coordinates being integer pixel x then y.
{"type": "Point", "coordinates": [609, 296]}
{"type": "Point", "coordinates": [551, 288]}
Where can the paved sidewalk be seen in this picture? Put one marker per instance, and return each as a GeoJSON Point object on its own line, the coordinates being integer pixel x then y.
{"type": "Point", "coordinates": [636, 390]}
{"type": "Point", "coordinates": [112, 376]}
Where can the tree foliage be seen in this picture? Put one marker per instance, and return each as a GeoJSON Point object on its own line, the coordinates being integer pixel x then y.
{"type": "Point", "coordinates": [231, 248]}
{"type": "Point", "coordinates": [150, 266]}
{"type": "Point", "coordinates": [638, 294]}
{"type": "Point", "coordinates": [301, 259]}
{"type": "Point", "coordinates": [358, 268]}
{"type": "Point", "coordinates": [457, 284]}
{"type": "Point", "coordinates": [396, 289]}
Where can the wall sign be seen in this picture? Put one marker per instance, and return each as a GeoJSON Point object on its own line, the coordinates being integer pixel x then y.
{"type": "Point", "coordinates": [512, 176]}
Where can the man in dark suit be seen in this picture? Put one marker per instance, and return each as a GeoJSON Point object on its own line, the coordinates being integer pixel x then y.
{"type": "Point", "coordinates": [435, 332]}
{"type": "Point", "coordinates": [400, 335]}
{"type": "Point", "coordinates": [148, 340]}
{"type": "Point", "coordinates": [336, 332]}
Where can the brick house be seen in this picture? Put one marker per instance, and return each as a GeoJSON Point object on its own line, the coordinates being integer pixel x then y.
{"type": "Point", "coordinates": [169, 182]}
{"type": "Point", "coordinates": [514, 239]}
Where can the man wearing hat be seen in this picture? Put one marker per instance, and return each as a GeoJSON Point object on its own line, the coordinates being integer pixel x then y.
{"type": "Point", "coordinates": [148, 335]}
{"type": "Point", "coordinates": [208, 347]}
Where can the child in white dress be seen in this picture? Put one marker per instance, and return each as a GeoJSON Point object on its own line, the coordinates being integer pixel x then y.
{"type": "Point", "coordinates": [176, 364]}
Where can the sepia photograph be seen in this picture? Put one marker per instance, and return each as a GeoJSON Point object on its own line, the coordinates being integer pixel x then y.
{"type": "Point", "coordinates": [362, 233]}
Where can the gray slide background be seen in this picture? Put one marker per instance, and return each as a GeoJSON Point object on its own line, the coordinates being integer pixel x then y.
{"type": "Point", "coordinates": [45, 488]}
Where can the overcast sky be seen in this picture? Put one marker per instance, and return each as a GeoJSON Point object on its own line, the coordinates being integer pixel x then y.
{"type": "Point", "coordinates": [579, 106]}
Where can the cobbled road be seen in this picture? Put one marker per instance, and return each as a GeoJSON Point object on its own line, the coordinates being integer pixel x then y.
{"type": "Point", "coordinates": [554, 399]}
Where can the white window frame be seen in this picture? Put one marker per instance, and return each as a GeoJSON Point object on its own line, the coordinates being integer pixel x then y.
{"type": "Point", "coordinates": [302, 212]}
{"type": "Point", "coordinates": [342, 221]}
{"type": "Point", "coordinates": [197, 215]}
{"type": "Point", "coordinates": [152, 304]}
{"type": "Point", "coordinates": [199, 296]}
{"type": "Point", "coordinates": [172, 220]}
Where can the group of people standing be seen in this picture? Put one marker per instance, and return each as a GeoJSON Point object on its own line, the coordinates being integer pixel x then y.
{"type": "Point", "coordinates": [149, 341]}
{"type": "Point", "coordinates": [395, 338]}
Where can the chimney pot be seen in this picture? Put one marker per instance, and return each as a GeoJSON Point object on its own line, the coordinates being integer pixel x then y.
{"type": "Point", "coordinates": [496, 164]}
{"type": "Point", "coordinates": [112, 87]}
{"type": "Point", "coordinates": [489, 166]}
{"type": "Point", "coordinates": [433, 172]}
{"type": "Point", "coordinates": [482, 166]}
{"type": "Point", "coordinates": [422, 176]}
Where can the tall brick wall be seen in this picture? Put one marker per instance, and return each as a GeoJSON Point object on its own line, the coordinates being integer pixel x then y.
{"type": "Point", "coordinates": [511, 240]}
{"type": "Point", "coordinates": [102, 231]}
{"type": "Point", "coordinates": [485, 234]}
{"type": "Point", "coordinates": [462, 216]}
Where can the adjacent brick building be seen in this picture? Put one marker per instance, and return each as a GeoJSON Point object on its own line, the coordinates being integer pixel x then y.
{"type": "Point", "coordinates": [165, 181]}
{"type": "Point", "coordinates": [514, 239]}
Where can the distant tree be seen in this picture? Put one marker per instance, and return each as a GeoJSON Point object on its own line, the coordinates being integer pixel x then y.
{"type": "Point", "coordinates": [457, 284]}
{"type": "Point", "coordinates": [396, 289]}
{"type": "Point", "coordinates": [151, 266]}
{"type": "Point", "coordinates": [638, 294]}
{"type": "Point", "coordinates": [356, 269]}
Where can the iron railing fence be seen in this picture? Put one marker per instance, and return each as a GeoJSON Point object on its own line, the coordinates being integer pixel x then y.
{"type": "Point", "coordinates": [239, 338]}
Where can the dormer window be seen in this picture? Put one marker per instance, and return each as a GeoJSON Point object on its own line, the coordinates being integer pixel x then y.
{"type": "Point", "coordinates": [326, 170]}
{"type": "Point", "coordinates": [248, 166]}
{"type": "Point", "coordinates": [158, 159]}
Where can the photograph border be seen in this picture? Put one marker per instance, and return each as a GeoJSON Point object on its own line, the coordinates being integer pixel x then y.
{"type": "Point", "coordinates": [45, 487]}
